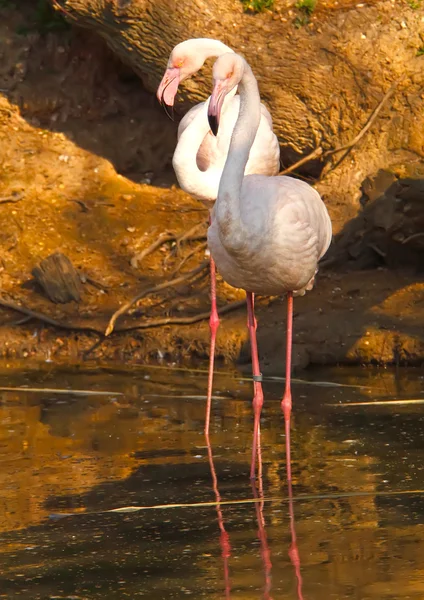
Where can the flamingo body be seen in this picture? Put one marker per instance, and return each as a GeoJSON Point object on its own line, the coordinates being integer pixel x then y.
{"type": "Point", "coordinates": [289, 231]}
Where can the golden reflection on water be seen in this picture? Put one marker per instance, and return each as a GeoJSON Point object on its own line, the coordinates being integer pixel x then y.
{"type": "Point", "coordinates": [69, 453]}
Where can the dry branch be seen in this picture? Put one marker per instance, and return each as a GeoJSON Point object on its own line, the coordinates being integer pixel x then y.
{"type": "Point", "coordinates": [163, 238]}
{"type": "Point", "coordinates": [319, 152]}
{"type": "Point", "coordinates": [153, 290]}
{"type": "Point", "coordinates": [414, 236]}
{"type": "Point", "coordinates": [184, 320]}
{"type": "Point", "coordinates": [187, 258]}
{"type": "Point", "coordinates": [12, 198]}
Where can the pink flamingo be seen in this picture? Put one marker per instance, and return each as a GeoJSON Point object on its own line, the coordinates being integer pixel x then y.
{"type": "Point", "coordinates": [267, 233]}
{"type": "Point", "coordinates": [199, 157]}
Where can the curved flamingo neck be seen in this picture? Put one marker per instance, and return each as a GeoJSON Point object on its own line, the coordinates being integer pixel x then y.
{"type": "Point", "coordinates": [200, 184]}
{"type": "Point", "coordinates": [199, 50]}
{"type": "Point", "coordinates": [227, 207]}
{"type": "Point", "coordinates": [210, 48]}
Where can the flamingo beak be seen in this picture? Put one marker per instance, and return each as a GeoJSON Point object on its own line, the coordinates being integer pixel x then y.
{"type": "Point", "coordinates": [168, 89]}
{"type": "Point", "coordinates": [215, 104]}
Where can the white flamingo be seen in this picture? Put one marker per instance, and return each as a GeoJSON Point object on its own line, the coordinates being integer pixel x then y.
{"type": "Point", "coordinates": [200, 156]}
{"type": "Point", "coordinates": [267, 234]}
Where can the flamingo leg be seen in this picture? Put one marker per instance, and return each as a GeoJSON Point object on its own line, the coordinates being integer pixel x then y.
{"type": "Point", "coordinates": [286, 403]}
{"type": "Point", "coordinates": [258, 397]}
{"type": "Point", "coordinates": [213, 324]}
{"type": "Point", "coordinates": [224, 538]}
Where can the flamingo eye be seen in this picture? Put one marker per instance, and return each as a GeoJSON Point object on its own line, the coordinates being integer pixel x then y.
{"type": "Point", "coordinates": [179, 63]}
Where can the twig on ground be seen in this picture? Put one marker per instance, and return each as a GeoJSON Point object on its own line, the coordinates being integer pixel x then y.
{"type": "Point", "coordinates": [188, 235]}
{"type": "Point", "coordinates": [413, 237]}
{"type": "Point", "coordinates": [183, 320]}
{"type": "Point", "coordinates": [190, 255]}
{"type": "Point", "coordinates": [20, 321]}
{"type": "Point", "coordinates": [314, 154]}
{"type": "Point", "coordinates": [162, 239]}
{"type": "Point", "coordinates": [185, 237]}
{"type": "Point", "coordinates": [12, 198]}
{"type": "Point", "coordinates": [377, 250]}
{"type": "Point", "coordinates": [152, 290]}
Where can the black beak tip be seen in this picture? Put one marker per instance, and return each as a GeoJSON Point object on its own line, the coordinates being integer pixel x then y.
{"type": "Point", "coordinates": [213, 124]}
{"type": "Point", "coordinates": [169, 109]}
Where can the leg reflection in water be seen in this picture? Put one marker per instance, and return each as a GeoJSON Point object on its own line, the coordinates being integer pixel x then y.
{"type": "Point", "coordinates": [224, 539]}
{"type": "Point", "coordinates": [265, 551]}
{"type": "Point", "coordinates": [293, 550]}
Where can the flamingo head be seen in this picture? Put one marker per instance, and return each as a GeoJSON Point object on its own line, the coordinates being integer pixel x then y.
{"type": "Point", "coordinates": [227, 73]}
{"type": "Point", "coordinates": [186, 59]}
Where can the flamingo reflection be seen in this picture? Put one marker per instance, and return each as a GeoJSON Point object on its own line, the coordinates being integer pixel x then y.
{"type": "Point", "coordinates": [224, 539]}
{"type": "Point", "coordinates": [263, 540]}
{"type": "Point", "coordinates": [265, 551]}
{"type": "Point", "coordinates": [293, 550]}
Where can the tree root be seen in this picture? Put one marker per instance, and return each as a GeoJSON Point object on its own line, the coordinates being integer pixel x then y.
{"type": "Point", "coordinates": [152, 290]}
{"type": "Point", "coordinates": [46, 319]}
{"type": "Point", "coordinates": [183, 320]}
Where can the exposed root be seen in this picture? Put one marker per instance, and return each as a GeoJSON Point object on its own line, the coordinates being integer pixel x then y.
{"type": "Point", "coordinates": [46, 319]}
{"type": "Point", "coordinates": [152, 290]}
{"type": "Point", "coordinates": [183, 320]}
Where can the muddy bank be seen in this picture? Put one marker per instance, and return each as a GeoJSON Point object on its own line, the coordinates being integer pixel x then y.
{"type": "Point", "coordinates": [68, 185]}
{"type": "Point", "coordinates": [357, 318]}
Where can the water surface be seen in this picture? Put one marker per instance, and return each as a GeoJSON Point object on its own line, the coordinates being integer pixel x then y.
{"type": "Point", "coordinates": [357, 526]}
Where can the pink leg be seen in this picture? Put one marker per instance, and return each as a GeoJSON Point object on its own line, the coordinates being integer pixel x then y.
{"type": "Point", "coordinates": [224, 539]}
{"type": "Point", "coordinates": [258, 398]}
{"type": "Point", "coordinates": [286, 403]}
{"type": "Point", "coordinates": [213, 324]}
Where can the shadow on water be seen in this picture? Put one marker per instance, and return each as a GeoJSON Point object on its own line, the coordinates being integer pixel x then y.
{"type": "Point", "coordinates": [189, 522]}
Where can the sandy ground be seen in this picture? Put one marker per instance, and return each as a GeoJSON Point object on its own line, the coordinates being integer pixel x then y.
{"type": "Point", "coordinates": [85, 170]}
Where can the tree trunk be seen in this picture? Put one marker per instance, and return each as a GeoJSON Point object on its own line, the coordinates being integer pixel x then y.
{"type": "Point", "coordinates": [321, 80]}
